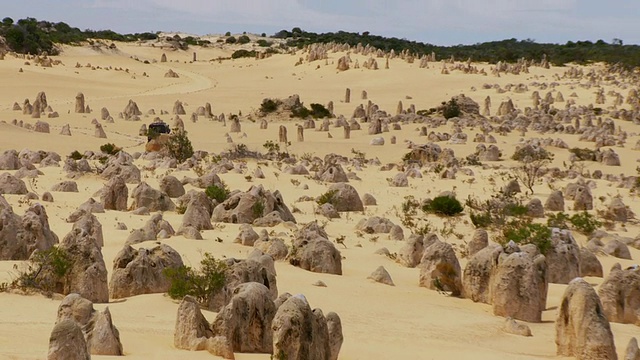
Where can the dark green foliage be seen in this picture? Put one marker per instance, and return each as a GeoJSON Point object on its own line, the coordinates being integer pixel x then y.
{"type": "Point", "coordinates": [450, 109]}
{"type": "Point", "coordinates": [268, 106]}
{"type": "Point", "coordinates": [272, 147]}
{"type": "Point", "coordinates": [228, 33]}
{"type": "Point", "coordinates": [523, 231]}
{"type": "Point", "coordinates": [531, 153]}
{"type": "Point", "coordinates": [585, 223]}
{"type": "Point", "coordinates": [75, 155]}
{"type": "Point", "coordinates": [300, 112]}
{"type": "Point", "coordinates": [202, 284]}
{"type": "Point", "coordinates": [559, 220]}
{"type": "Point", "coordinates": [244, 39]}
{"type": "Point", "coordinates": [264, 43]}
{"type": "Point", "coordinates": [218, 193]}
{"type": "Point", "coordinates": [515, 209]}
{"type": "Point", "coordinates": [584, 154]}
{"type": "Point", "coordinates": [109, 149]}
{"type": "Point", "coordinates": [480, 220]}
{"type": "Point", "coordinates": [243, 53]}
{"type": "Point", "coordinates": [179, 146]}
{"type": "Point", "coordinates": [327, 198]}
{"type": "Point", "coordinates": [258, 209]}
{"type": "Point", "coordinates": [190, 40]}
{"type": "Point", "coordinates": [509, 50]}
{"type": "Point", "coordinates": [32, 36]}
{"type": "Point", "coordinates": [231, 40]}
{"type": "Point", "coordinates": [443, 206]}
{"type": "Point", "coordinates": [318, 111]}
{"type": "Point", "coordinates": [46, 269]}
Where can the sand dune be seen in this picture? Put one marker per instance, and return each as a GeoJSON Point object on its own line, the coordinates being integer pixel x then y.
{"type": "Point", "coordinates": [379, 322]}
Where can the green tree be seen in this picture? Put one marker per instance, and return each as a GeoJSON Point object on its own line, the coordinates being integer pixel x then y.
{"type": "Point", "coordinates": [179, 146]}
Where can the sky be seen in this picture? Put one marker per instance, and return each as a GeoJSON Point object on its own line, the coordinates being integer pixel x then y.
{"type": "Point", "coordinates": [439, 22]}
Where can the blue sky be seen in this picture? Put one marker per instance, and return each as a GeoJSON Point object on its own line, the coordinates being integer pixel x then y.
{"type": "Point", "coordinates": [440, 22]}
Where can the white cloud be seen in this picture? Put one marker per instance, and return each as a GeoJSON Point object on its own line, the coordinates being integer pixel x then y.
{"type": "Point", "coordinates": [436, 21]}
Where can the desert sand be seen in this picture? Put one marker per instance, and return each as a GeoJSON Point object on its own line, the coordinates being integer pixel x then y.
{"type": "Point", "coordinates": [404, 321]}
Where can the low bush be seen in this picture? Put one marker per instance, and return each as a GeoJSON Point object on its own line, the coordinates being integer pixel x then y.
{"type": "Point", "coordinates": [327, 198]}
{"type": "Point", "coordinates": [45, 271]}
{"type": "Point", "coordinates": [559, 220]}
{"type": "Point", "coordinates": [75, 155]}
{"type": "Point", "coordinates": [480, 220]}
{"type": "Point", "coordinates": [231, 40]}
{"type": "Point", "coordinates": [109, 149]}
{"type": "Point", "coordinates": [525, 232]}
{"type": "Point", "coordinates": [268, 106]}
{"type": "Point", "coordinates": [451, 109]}
{"type": "Point", "coordinates": [202, 284]}
{"type": "Point", "coordinates": [258, 209]}
{"type": "Point", "coordinates": [179, 146]}
{"type": "Point", "coordinates": [585, 223]}
{"type": "Point", "coordinates": [264, 43]}
{"type": "Point", "coordinates": [443, 206]}
{"type": "Point", "coordinates": [243, 54]}
{"type": "Point", "coordinates": [218, 193]}
{"type": "Point", "coordinates": [582, 222]}
{"type": "Point", "coordinates": [244, 39]}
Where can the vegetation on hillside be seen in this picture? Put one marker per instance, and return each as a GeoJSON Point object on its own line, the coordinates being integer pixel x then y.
{"type": "Point", "coordinates": [509, 50]}
{"type": "Point", "coordinates": [35, 37]}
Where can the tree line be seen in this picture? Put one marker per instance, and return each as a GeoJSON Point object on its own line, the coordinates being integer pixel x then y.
{"type": "Point", "coordinates": [509, 50]}
{"type": "Point", "coordinates": [30, 36]}
{"type": "Point", "coordinates": [35, 37]}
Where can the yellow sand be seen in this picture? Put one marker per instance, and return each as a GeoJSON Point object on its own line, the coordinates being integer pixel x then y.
{"type": "Point", "coordinates": [379, 322]}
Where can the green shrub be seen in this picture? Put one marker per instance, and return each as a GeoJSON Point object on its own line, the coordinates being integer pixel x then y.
{"type": "Point", "coordinates": [202, 284]}
{"type": "Point", "coordinates": [228, 33]}
{"type": "Point", "coordinates": [524, 232]}
{"type": "Point", "coordinates": [179, 146]}
{"type": "Point", "coordinates": [268, 106]}
{"type": "Point", "coordinates": [517, 210]}
{"type": "Point", "coordinates": [109, 149]}
{"type": "Point", "coordinates": [318, 111]}
{"type": "Point", "coordinates": [481, 220]}
{"type": "Point", "coordinates": [451, 109]}
{"type": "Point", "coordinates": [45, 270]}
{"type": "Point", "coordinates": [218, 193]}
{"type": "Point", "coordinates": [243, 54]}
{"type": "Point", "coordinates": [300, 112]}
{"type": "Point", "coordinates": [585, 223]}
{"type": "Point", "coordinates": [272, 147]}
{"type": "Point", "coordinates": [327, 198]}
{"type": "Point", "coordinates": [559, 220]}
{"type": "Point", "coordinates": [258, 209]}
{"type": "Point", "coordinates": [75, 155]}
{"type": "Point", "coordinates": [443, 206]}
{"type": "Point", "coordinates": [244, 39]}
{"type": "Point", "coordinates": [231, 40]}
{"type": "Point", "coordinates": [264, 43]}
